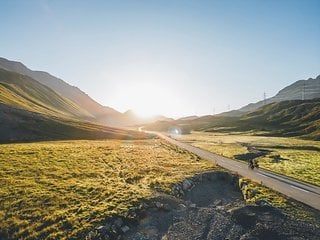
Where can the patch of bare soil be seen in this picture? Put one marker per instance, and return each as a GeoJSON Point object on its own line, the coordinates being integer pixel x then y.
{"type": "Point", "coordinates": [212, 207]}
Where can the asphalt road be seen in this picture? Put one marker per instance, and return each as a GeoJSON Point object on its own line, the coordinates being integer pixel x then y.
{"type": "Point", "coordinates": [306, 193]}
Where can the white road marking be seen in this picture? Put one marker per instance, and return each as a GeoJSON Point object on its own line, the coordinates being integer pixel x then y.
{"type": "Point", "coordinates": [261, 175]}
{"type": "Point", "coordinates": [299, 188]}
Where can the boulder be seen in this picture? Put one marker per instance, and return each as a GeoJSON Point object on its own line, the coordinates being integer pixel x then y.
{"type": "Point", "coordinates": [186, 184]}
{"type": "Point", "coordinates": [125, 229]}
{"type": "Point", "coordinates": [118, 222]}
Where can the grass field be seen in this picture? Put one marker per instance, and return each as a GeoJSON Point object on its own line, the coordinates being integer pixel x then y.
{"type": "Point", "coordinates": [289, 156]}
{"type": "Point", "coordinates": [61, 190]}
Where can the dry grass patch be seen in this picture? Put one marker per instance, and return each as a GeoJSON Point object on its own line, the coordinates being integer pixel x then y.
{"type": "Point", "coordinates": [293, 157]}
{"type": "Point", "coordinates": [60, 190]}
{"type": "Point", "coordinates": [254, 192]}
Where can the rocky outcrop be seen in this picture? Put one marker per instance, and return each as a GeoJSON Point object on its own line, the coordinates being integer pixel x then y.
{"type": "Point", "coordinates": [206, 206]}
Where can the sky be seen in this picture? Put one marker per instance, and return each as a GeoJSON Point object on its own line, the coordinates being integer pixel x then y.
{"type": "Point", "coordinates": [169, 57]}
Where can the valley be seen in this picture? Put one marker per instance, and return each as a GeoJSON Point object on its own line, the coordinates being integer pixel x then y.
{"type": "Point", "coordinates": [73, 169]}
{"type": "Point", "coordinates": [64, 189]}
{"type": "Point", "coordinates": [296, 158]}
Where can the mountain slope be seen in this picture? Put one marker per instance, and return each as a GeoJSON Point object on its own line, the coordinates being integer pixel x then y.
{"type": "Point", "coordinates": [18, 125]}
{"type": "Point", "coordinates": [24, 92]}
{"type": "Point", "coordinates": [62, 88]}
{"type": "Point", "coordinates": [299, 90]}
{"type": "Point", "coordinates": [31, 111]}
{"type": "Point", "coordinates": [287, 118]}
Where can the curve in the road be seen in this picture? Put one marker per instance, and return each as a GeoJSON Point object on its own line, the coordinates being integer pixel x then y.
{"type": "Point", "coordinates": [301, 191]}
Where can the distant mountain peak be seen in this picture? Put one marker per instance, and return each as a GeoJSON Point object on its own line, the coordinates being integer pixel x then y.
{"type": "Point", "coordinates": [80, 100]}
{"type": "Point", "coordinates": [299, 90]}
{"type": "Point", "coordinates": [61, 87]}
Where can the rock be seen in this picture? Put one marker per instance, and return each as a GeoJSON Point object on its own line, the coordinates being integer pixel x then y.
{"type": "Point", "coordinates": [144, 205]}
{"type": "Point", "coordinates": [220, 207]}
{"type": "Point", "coordinates": [131, 213]}
{"type": "Point", "coordinates": [245, 216]}
{"type": "Point", "coordinates": [217, 202]}
{"type": "Point", "coordinates": [107, 226]}
{"type": "Point", "coordinates": [91, 235]}
{"type": "Point", "coordinates": [158, 205]}
{"type": "Point", "coordinates": [232, 209]}
{"type": "Point", "coordinates": [114, 229]}
{"type": "Point", "coordinates": [118, 222]}
{"type": "Point", "coordinates": [186, 185]}
{"type": "Point", "coordinates": [254, 192]}
{"type": "Point", "coordinates": [193, 205]}
{"type": "Point", "coordinates": [166, 207]}
{"type": "Point", "coordinates": [262, 202]}
{"type": "Point", "coordinates": [102, 230]}
{"type": "Point", "coordinates": [182, 207]}
{"type": "Point", "coordinates": [125, 229]}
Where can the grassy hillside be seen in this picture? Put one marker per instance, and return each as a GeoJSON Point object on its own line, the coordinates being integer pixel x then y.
{"type": "Point", "coordinates": [61, 87]}
{"type": "Point", "coordinates": [30, 111]}
{"type": "Point", "coordinates": [17, 125]}
{"type": "Point", "coordinates": [287, 118]}
{"type": "Point", "coordinates": [302, 89]}
{"type": "Point", "coordinates": [297, 158]}
{"type": "Point", "coordinates": [24, 92]}
{"type": "Point", "coordinates": [62, 190]}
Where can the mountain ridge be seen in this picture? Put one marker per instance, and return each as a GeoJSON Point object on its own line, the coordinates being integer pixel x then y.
{"type": "Point", "coordinates": [26, 93]}
{"type": "Point", "coordinates": [101, 114]}
{"type": "Point", "coordinates": [63, 88]}
{"type": "Point", "coordinates": [299, 90]}
{"type": "Point", "coordinates": [292, 118]}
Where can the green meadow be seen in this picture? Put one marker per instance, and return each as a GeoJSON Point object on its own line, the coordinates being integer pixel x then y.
{"type": "Point", "coordinates": [293, 157]}
{"type": "Point", "coordinates": [63, 189]}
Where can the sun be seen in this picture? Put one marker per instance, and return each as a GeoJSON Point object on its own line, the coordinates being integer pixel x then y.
{"type": "Point", "coordinates": [147, 99]}
{"type": "Point", "coordinates": [147, 89]}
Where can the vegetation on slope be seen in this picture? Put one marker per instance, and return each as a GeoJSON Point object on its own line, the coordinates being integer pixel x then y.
{"type": "Point", "coordinates": [24, 92]}
{"type": "Point", "coordinates": [287, 118]}
{"type": "Point", "coordinates": [30, 111]}
{"type": "Point", "coordinates": [61, 190]}
{"type": "Point", "coordinates": [72, 93]}
{"type": "Point", "coordinates": [295, 158]}
{"type": "Point", "coordinates": [302, 89]}
{"type": "Point", "coordinates": [18, 125]}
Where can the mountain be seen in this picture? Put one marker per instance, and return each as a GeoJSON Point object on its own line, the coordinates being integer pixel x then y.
{"type": "Point", "coordinates": [18, 125]}
{"type": "Point", "coordinates": [31, 111]}
{"type": "Point", "coordinates": [300, 90]}
{"type": "Point", "coordinates": [101, 113]}
{"type": "Point", "coordinates": [300, 118]}
{"type": "Point", "coordinates": [286, 118]}
{"type": "Point", "coordinates": [91, 110]}
{"type": "Point", "coordinates": [25, 93]}
{"type": "Point", "coordinates": [193, 117]}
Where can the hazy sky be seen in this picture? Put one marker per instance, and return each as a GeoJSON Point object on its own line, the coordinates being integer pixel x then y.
{"type": "Point", "coordinates": [170, 57]}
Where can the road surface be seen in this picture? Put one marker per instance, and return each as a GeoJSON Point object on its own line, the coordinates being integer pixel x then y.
{"type": "Point", "coordinates": [301, 191]}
